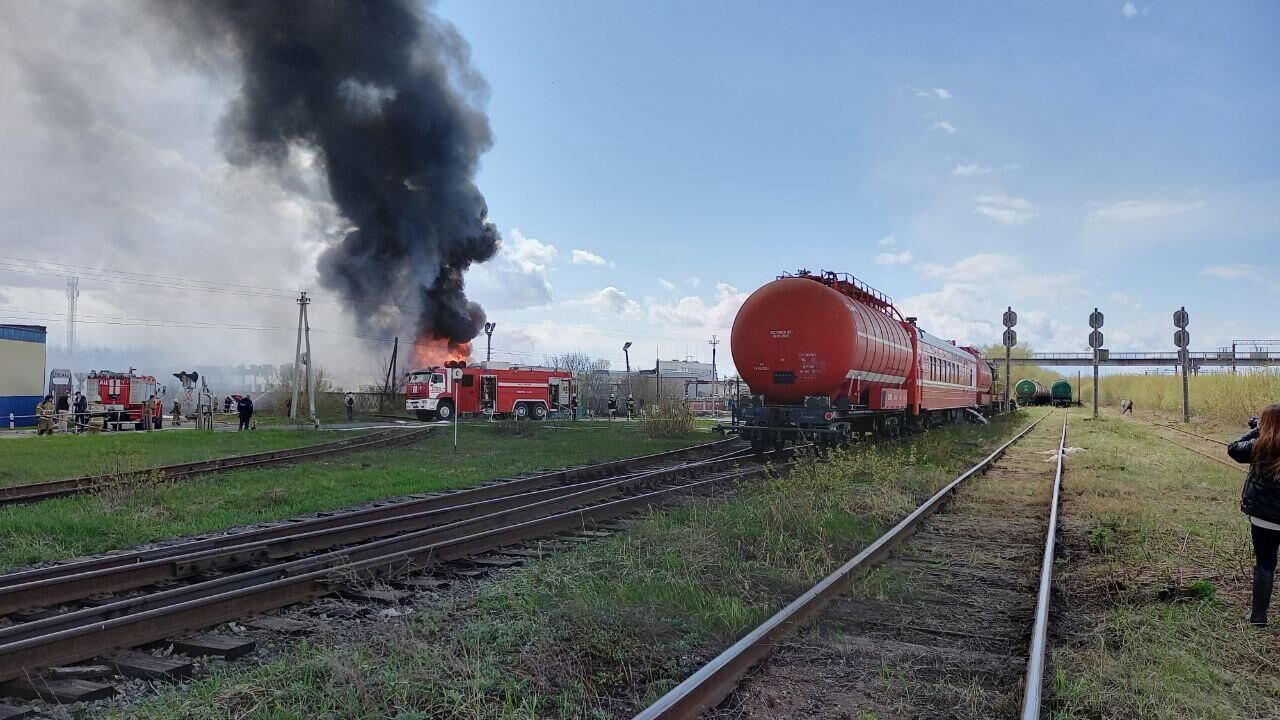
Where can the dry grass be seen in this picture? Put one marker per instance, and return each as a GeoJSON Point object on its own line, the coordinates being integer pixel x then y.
{"type": "Point", "coordinates": [1224, 398]}
{"type": "Point", "coordinates": [670, 418]}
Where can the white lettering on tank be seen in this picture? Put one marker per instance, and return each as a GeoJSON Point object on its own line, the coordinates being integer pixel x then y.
{"type": "Point", "coordinates": [779, 334]}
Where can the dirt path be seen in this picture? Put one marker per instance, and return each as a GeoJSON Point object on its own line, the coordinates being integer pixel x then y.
{"type": "Point", "coordinates": [942, 630]}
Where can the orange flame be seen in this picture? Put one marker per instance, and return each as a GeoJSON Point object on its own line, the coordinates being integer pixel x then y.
{"type": "Point", "coordinates": [436, 351]}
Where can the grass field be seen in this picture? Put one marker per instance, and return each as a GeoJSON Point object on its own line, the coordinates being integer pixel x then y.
{"type": "Point", "coordinates": [600, 630]}
{"type": "Point", "coordinates": [33, 459]}
{"type": "Point", "coordinates": [1155, 585]}
{"type": "Point", "coordinates": [85, 524]}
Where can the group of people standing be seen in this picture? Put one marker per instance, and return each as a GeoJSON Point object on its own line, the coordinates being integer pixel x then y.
{"type": "Point", "coordinates": [58, 413]}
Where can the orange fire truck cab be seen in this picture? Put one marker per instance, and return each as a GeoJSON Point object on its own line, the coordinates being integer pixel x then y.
{"type": "Point", "coordinates": [495, 389]}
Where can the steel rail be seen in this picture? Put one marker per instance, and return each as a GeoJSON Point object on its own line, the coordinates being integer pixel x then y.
{"type": "Point", "coordinates": [35, 492]}
{"type": "Point", "coordinates": [1033, 683]}
{"type": "Point", "coordinates": [714, 681]}
{"type": "Point", "coordinates": [195, 607]}
{"type": "Point", "coordinates": [1215, 458]}
{"type": "Point", "coordinates": [1224, 443]}
{"type": "Point", "coordinates": [329, 520]}
{"type": "Point", "coordinates": [51, 591]}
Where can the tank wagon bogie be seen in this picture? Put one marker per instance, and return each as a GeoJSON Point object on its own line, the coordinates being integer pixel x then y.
{"type": "Point", "coordinates": [829, 358]}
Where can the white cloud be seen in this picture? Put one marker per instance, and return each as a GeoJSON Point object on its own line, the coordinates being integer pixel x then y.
{"type": "Point", "coordinates": [609, 301]}
{"type": "Point", "coordinates": [1238, 271]}
{"type": "Point", "coordinates": [975, 268]}
{"type": "Point", "coordinates": [1139, 210]}
{"type": "Point", "coordinates": [887, 241]}
{"type": "Point", "coordinates": [1129, 10]}
{"type": "Point", "coordinates": [1004, 209]}
{"type": "Point", "coordinates": [693, 281]}
{"type": "Point", "coordinates": [968, 169]}
{"type": "Point", "coordinates": [667, 284]}
{"type": "Point", "coordinates": [939, 93]}
{"type": "Point", "coordinates": [519, 277]}
{"type": "Point", "coordinates": [901, 258]}
{"type": "Point", "coordinates": [1126, 300]}
{"type": "Point", "coordinates": [945, 127]}
{"type": "Point", "coordinates": [695, 312]}
{"type": "Point", "coordinates": [585, 257]}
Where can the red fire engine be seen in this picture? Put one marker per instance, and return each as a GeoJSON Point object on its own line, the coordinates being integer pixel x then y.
{"type": "Point", "coordinates": [119, 396]}
{"type": "Point", "coordinates": [497, 389]}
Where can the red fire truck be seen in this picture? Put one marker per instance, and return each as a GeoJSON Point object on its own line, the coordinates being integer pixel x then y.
{"type": "Point", "coordinates": [119, 396]}
{"type": "Point", "coordinates": [496, 389]}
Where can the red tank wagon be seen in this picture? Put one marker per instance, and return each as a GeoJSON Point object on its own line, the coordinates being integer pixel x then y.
{"type": "Point", "coordinates": [827, 356]}
{"type": "Point", "coordinates": [497, 389]}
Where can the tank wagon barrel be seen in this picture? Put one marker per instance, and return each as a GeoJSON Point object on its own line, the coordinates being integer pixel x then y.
{"type": "Point", "coordinates": [1030, 392]}
{"type": "Point", "coordinates": [1061, 393]}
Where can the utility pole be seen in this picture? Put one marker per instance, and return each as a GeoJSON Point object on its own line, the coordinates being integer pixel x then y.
{"type": "Point", "coordinates": [488, 347]}
{"type": "Point", "coordinates": [388, 383]}
{"type": "Point", "coordinates": [73, 294]}
{"type": "Point", "coordinates": [1095, 342]}
{"type": "Point", "coordinates": [713, 342]}
{"type": "Point", "coordinates": [1182, 339]}
{"type": "Point", "coordinates": [299, 358]}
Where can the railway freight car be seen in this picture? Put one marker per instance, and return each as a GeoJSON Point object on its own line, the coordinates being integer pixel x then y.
{"type": "Point", "coordinates": [21, 373]}
{"type": "Point", "coordinates": [1030, 392]}
{"type": "Point", "coordinates": [1061, 394]}
{"type": "Point", "coordinates": [827, 357]}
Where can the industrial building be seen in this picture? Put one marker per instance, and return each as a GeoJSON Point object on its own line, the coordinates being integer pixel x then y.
{"type": "Point", "coordinates": [22, 372]}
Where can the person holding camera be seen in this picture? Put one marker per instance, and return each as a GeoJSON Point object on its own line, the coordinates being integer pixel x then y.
{"type": "Point", "coordinates": [1260, 502]}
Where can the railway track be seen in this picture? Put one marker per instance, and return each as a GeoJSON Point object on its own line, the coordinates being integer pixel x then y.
{"type": "Point", "coordinates": [35, 492]}
{"type": "Point", "coordinates": [1219, 446]}
{"type": "Point", "coordinates": [970, 615]}
{"type": "Point", "coordinates": [99, 607]}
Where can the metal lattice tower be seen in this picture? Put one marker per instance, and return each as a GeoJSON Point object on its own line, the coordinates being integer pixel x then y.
{"type": "Point", "coordinates": [73, 295]}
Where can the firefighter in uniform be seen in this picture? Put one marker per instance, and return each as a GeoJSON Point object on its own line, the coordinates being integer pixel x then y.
{"type": "Point", "coordinates": [147, 406]}
{"type": "Point", "coordinates": [631, 406]}
{"type": "Point", "coordinates": [177, 413]}
{"type": "Point", "coordinates": [613, 405]}
{"type": "Point", "coordinates": [44, 416]}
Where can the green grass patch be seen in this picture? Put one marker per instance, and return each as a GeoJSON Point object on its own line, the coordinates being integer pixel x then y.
{"type": "Point", "coordinates": [600, 630]}
{"type": "Point", "coordinates": [34, 459]}
{"type": "Point", "coordinates": [85, 524]}
{"type": "Point", "coordinates": [1156, 585]}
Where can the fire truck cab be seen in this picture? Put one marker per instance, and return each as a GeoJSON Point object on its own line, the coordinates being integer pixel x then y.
{"type": "Point", "coordinates": [493, 389]}
{"type": "Point", "coordinates": [119, 396]}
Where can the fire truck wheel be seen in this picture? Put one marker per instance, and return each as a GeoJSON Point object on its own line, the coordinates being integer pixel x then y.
{"type": "Point", "coordinates": [522, 411]}
{"type": "Point", "coordinates": [425, 415]}
{"type": "Point", "coordinates": [444, 411]}
{"type": "Point", "coordinates": [539, 412]}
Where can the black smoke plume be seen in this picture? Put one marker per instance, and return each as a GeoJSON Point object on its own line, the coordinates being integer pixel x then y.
{"type": "Point", "coordinates": [383, 92]}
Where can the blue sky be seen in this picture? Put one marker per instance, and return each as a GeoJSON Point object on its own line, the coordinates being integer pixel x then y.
{"type": "Point", "coordinates": [1049, 156]}
{"type": "Point", "coordinates": [654, 163]}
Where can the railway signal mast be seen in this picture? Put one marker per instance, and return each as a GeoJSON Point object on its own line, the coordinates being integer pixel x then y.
{"type": "Point", "coordinates": [1095, 342]}
{"type": "Point", "coordinates": [1182, 339]}
{"type": "Point", "coordinates": [1010, 339]}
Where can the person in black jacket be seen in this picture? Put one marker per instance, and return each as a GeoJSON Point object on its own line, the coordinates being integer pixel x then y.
{"type": "Point", "coordinates": [1260, 501]}
{"type": "Point", "coordinates": [245, 407]}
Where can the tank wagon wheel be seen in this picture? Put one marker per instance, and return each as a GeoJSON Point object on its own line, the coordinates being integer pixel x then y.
{"type": "Point", "coordinates": [539, 412]}
{"type": "Point", "coordinates": [522, 411]}
{"type": "Point", "coordinates": [425, 415]}
{"type": "Point", "coordinates": [758, 443]}
{"type": "Point", "coordinates": [444, 411]}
